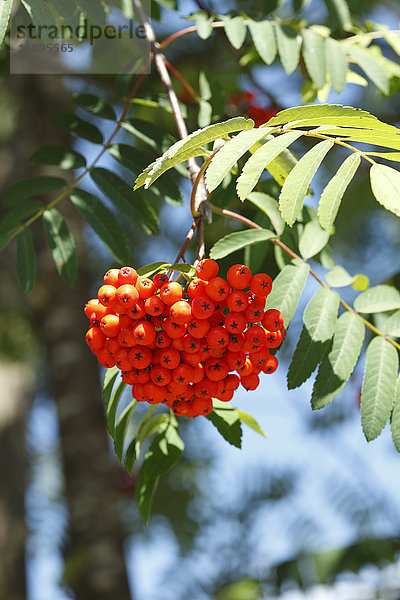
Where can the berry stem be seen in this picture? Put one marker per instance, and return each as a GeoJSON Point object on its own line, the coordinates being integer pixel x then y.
{"type": "Point", "coordinates": [189, 236]}
{"type": "Point", "coordinates": [233, 215]}
{"type": "Point", "coordinates": [183, 81]}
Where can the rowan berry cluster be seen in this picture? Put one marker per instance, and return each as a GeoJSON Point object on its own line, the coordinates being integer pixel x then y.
{"type": "Point", "coordinates": [183, 347]}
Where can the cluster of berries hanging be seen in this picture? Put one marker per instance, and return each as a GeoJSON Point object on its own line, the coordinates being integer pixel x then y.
{"type": "Point", "coordinates": [185, 347]}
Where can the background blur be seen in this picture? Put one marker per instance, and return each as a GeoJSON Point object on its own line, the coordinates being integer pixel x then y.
{"type": "Point", "coordinates": [311, 512]}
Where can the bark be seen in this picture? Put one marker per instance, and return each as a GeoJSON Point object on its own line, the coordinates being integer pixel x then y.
{"type": "Point", "coordinates": [16, 385]}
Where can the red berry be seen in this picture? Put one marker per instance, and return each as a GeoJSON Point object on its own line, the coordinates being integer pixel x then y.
{"type": "Point", "coordinates": [272, 320]}
{"type": "Point", "coordinates": [261, 284]}
{"type": "Point", "coordinates": [217, 289]}
{"type": "Point", "coordinates": [207, 269]}
{"type": "Point", "coordinates": [239, 276]}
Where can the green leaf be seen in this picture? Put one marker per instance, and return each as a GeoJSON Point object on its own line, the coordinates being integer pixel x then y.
{"type": "Point", "coordinates": [378, 299]}
{"type": "Point", "coordinates": [360, 283]}
{"type": "Point", "coordinates": [147, 426]}
{"type": "Point", "coordinates": [144, 494]}
{"type": "Point", "coordinates": [287, 288]}
{"type": "Point", "coordinates": [269, 206]}
{"type": "Point", "coordinates": [235, 30]}
{"type": "Point", "coordinates": [339, 277]}
{"type": "Point", "coordinates": [306, 357]}
{"type": "Point", "coordinates": [183, 268]}
{"type": "Point", "coordinates": [203, 24]}
{"type": "Point", "coordinates": [336, 63]}
{"type": "Point", "coordinates": [312, 240]}
{"type": "Point", "coordinates": [191, 147]}
{"type": "Point", "coordinates": [121, 428]}
{"type": "Point", "coordinates": [385, 184]}
{"type": "Point", "coordinates": [298, 181]}
{"type": "Point", "coordinates": [379, 386]}
{"type": "Point", "coordinates": [239, 239]}
{"type": "Point", "coordinates": [94, 105]}
{"type": "Point", "coordinates": [109, 379]}
{"type": "Point", "coordinates": [205, 113]}
{"type": "Point", "coordinates": [328, 114]}
{"type": "Point", "coordinates": [262, 33]}
{"type": "Point", "coordinates": [145, 131]}
{"type": "Point", "coordinates": [62, 245]}
{"type": "Point", "coordinates": [26, 260]}
{"type": "Point", "coordinates": [227, 420]}
{"type": "Point", "coordinates": [32, 186]}
{"type": "Point", "coordinates": [112, 406]}
{"type": "Point", "coordinates": [340, 12]}
{"type": "Point", "coordinates": [320, 315]}
{"type": "Point", "coordinates": [5, 12]}
{"type": "Point", "coordinates": [77, 127]}
{"type": "Point", "coordinates": [131, 205]}
{"type": "Point", "coordinates": [229, 154]}
{"type": "Point", "coordinates": [262, 159]}
{"type": "Point", "coordinates": [314, 57]}
{"type": "Point", "coordinates": [371, 67]}
{"type": "Point", "coordinates": [165, 450]}
{"type": "Point", "coordinates": [42, 17]}
{"type": "Point", "coordinates": [395, 418]}
{"type": "Point", "coordinates": [104, 224]}
{"type": "Point", "coordinates": [149, 270]}
{"type": "Point", "coordinates": [64, 158]}
{"type": "Point", "coordinates": [250, 421]}
{"type": "Point", "coordinates": [204, 86]}
{"type": "Point", "coordinates": [12, 219]}
{"type": "Point", "coordinates": [337, 366]}
{"type": "Point", "coordinates": [392, 325]}
{"type": "Point", "coordinates": [332, 194]}
{"type": "Point", "coordinates": [288, 46]}
{"type": "Point", "coordinates": [135, 160]}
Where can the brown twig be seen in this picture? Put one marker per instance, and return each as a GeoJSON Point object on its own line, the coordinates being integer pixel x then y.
{"type": "Point", "coordinates": [183, 81]}
{"type": "Point", "coordinates": [187, 241]}
{"type": "Point", "coordinates": [277, 242]}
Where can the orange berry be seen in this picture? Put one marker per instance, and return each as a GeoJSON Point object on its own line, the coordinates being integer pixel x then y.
{"type": "Point", "coordinates": [235, 360]}
{"type": "Point", "coordinates": [218, 289]}
{"type": "Point", "coordinates": [95, 338]}
{"type": "Point", "coordinates": [239, 276]}
{"type": "Point", "coordinates": [144, 333]}
{"type": "Point", "coordinates": [152, 393]}
{"type": "Point", "coordinates": [273, 339]}
{"type": "Point", "coordinates": [154, 306]}
{"type": "Point", "coordinates": [217, 337]}
{"type": "Point", "coordinates": [127, 275]}
{"type": "Point", "coordinates": [254, 313]}
{"type": "Point", "coordinates": [105, 359]}
{"type": "Point", "coordinates": [198, 328]}
{"type": "Point", "coordinates": [207, 269]}
{"type": "Point", "coordinates": [145, 287]}
{"type": "Point", "coordinates": [255, 338]}
{"type": "Point", "coordinates": [205, 388]}
{"type": "Point", "coordinates": [235, 322]}
{"type": "Point", "coordinates": [173, 329]}
{"type": "Point", "coordinates": [198, 373]}
{"type": "Point", "coordinates": [126, 337]}
{"type": "Point", "coordinates": [197, 287]}
{"type": "Point", "coordinates": [171, 292]}
{"type": "Point", "coordinates": [160, 279]}
{"type": "Point", "coordinates": [250, 382]}
{"type": "Point", "coordinates": [191, 358]}
{"type": "Point", "coordinates": [236, 341]}
{"type": "Point", "coordinates": [137, 312]}
{"type": "Point", "coordinates": [216, 369]}
{"type": "Point", "coordinates": [190, 344]}
{"type": "Point", "coordinates": [181, 312]}
{"type": "Point", "coordinates": [183, 374]}
{"type": "Point", "coordinates": [261, 284]}
{"type": "Point", "coordinates": [111, 277]}
{"type": "Point", "coordinates": [140, 357]}
{"type": "Point", "coordinates": [162, 339]}
{"type": "Point", "coordinates": [112, 345]}
{"type": "Point", "coordinates": [170, 358]}
{"type": "Point", "coordinates": [127, 296]}
{"type": "Point", "coordinates": [106, 295]}
{"type": "Point", "coordinates": [110, 325]}
{"type": "Point", "coordinates": [232, 382]}
{"type": "Point", "coordinates": [122, 360]}
{"type": "Point", "coordinates": [201, 406]}
{"type": "Point", "coordinates": [247, 368]}
{"type": "Point", "coordinates": [271, 365]}
{"type": "Point", "coordinates": [160, 375]}
{"type": "Point", "coordinates": [202, 307]}
{"type": "Point", "coordinates": [237, 301]}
